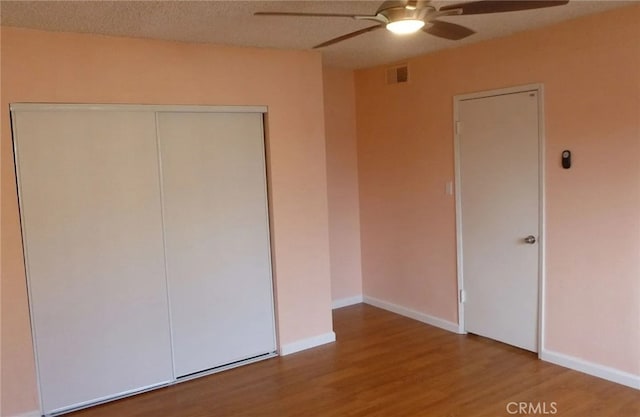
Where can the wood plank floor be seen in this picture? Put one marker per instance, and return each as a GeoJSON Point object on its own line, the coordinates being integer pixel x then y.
{"type": "Point", "coordinates": [387, 365]}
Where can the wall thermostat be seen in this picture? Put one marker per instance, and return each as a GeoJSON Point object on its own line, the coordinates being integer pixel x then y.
{"type": "Point", "coordinates": [566, 159]}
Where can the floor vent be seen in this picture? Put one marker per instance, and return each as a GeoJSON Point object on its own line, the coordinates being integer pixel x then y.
{"type": "Point", "coordinates": [398, 74]}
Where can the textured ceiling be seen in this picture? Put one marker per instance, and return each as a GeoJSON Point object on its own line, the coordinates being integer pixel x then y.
{"type": "Point", "coordinates": [233, 23]}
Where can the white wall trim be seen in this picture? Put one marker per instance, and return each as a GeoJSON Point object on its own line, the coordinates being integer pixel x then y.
{"type": "Point", "coordinates": [135, 107]}
{"type": "Point", "coordinates": [458, 207]}
{"type": "Point", "coordinates": [34, 413]}
{"type": "Point", "coordinates": [412, 314]}
{"type": "Point", "coordinates": [307, 343]}
{"type": "Point", "coordinates": [25, 260]}
{"type": "Point", "coordinates": [591, 368]}
{"type": "Point", "coordinates": [498, 91]}
{"type": "Point", "coordinates": [542, 225]}
{"type": "Point", "coordinates": [348, 301]}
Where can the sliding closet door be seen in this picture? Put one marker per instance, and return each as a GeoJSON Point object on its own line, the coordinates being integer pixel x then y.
{"type": "Point", "coordinates": [217, 238]}
{"type": "Point", "coordinates": [90, 206]}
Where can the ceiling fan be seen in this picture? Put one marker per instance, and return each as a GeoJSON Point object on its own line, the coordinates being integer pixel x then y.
{"type": "Point", "coordinates": [409, 16]}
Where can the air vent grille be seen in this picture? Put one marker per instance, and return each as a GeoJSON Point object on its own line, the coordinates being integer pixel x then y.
{"type": "Point", "coordinates": [398, 74]}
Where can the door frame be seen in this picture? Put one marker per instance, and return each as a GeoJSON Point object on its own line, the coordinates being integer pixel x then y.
{"type": "Point", "coordinates": [539, 89]}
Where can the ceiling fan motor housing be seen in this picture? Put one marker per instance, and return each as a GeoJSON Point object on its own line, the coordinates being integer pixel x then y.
{"type": "Point", "coordinates": [393, 11]}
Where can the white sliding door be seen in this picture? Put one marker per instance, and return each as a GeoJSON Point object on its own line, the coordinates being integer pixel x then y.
{"type": "Point", "coordinates": [90, 194]}
{"type": "Point", "coordinates": [217, 238]}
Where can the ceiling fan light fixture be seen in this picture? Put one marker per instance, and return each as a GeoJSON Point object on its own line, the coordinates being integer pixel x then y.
{"type": "Point", "coordinates": [405, 27]}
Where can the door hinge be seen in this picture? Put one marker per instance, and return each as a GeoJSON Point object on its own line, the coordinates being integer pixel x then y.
{"type": "Point", "coordinates": [458, 127]}
{"type": "Point", "coordinates": [463, 296]}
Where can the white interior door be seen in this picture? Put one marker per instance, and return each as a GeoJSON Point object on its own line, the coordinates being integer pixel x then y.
{"type": "Point", "coordinates": [498, 143]}
{"type": "Point", "coordinates": [89, 199]}
{"type": "Point", "coordinates": [217, 238]}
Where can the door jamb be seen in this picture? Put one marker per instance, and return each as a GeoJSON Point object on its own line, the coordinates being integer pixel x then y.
{"type": "Point", "coordinates": [539, 88]}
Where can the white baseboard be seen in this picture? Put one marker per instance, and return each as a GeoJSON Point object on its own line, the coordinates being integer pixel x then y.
{"type": "Point", "coordinates": [344, 302]}
{"type": "Point", "coordinates": [34, 413]}
{"type": "Point", "coordinates": [307, 343]}
{"type": "Point", "coordinates": [594, 369]}
{"type": "Point", "coordinates": [416, 315]}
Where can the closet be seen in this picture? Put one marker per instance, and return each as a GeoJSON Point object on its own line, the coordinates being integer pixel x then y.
{"type": "Point", "coordinates": [146, 240]}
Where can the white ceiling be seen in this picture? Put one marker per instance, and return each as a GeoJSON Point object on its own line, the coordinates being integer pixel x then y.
{"type": "Point", "coordinates": [233, 23]}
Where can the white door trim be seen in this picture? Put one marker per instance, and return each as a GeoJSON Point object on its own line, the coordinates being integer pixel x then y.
{"type": "Point", "coordinates": [174, 108]}
{"type": "Point", "coordinates": [539, 88]}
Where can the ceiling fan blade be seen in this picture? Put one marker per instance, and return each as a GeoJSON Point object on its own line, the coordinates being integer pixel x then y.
{"type": "Point", "coordinates": [447, 30]}
{"type": "Point", "coordinates": [499, 6]}
{"type": "Point", "coordinates": [348, 36]}
{"type": "Point", "coordinates": [353, 16]}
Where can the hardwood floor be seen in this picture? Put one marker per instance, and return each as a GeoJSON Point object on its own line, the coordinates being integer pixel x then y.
{"type": "Point", "coordinates": [384, 364]}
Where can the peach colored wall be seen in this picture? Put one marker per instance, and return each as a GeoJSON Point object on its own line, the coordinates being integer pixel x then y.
{"type": "Point", "coordinates": [590, 69]}
{"type": "Point", "coordinates": [62, 67]}
{"type": "Point", "coordinates": [342, 183]}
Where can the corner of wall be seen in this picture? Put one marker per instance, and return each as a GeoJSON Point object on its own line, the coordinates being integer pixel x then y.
{"type": "Point", "coordinates": [342, 185]}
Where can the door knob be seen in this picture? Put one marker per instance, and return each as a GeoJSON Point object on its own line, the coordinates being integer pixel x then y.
{"type": "Point", "coordinates": [530, 239]}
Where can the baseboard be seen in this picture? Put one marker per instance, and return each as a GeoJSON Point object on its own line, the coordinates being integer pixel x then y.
{"type": "Point", "coordinates": [416, 315]}
{"type": "Point", "coordinates": [34, 413]}
{"type": "Point", "coordinates": [594, 369]}
{"type": "Point", "coordinates": [307, 343]}
{"type": "Point", "coordinates": [344, 302]}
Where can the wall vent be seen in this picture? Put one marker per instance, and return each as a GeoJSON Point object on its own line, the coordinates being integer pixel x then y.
{"type": "Point", "coordinates": [398, 74]}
